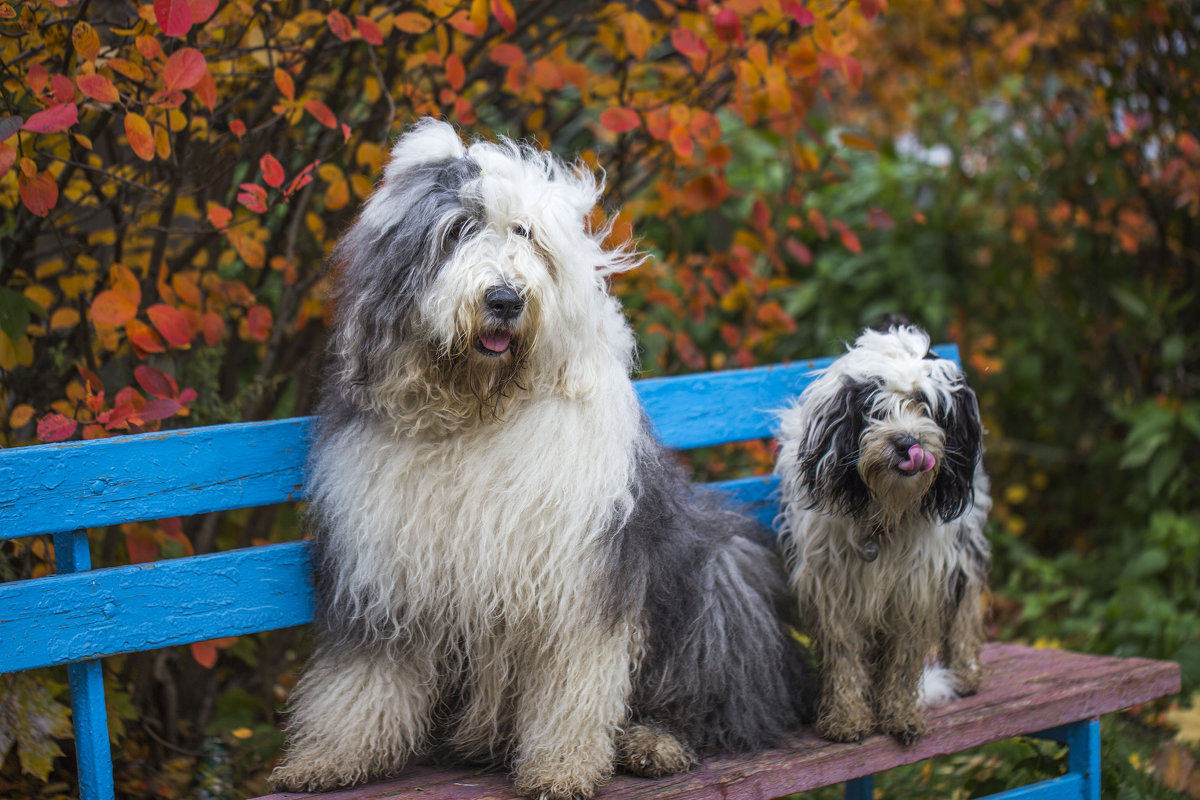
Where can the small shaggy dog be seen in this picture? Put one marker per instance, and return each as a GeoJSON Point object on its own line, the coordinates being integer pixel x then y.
{"type": "Point", "coordinates": [884, 501]}
{"type": "Point", "coordinates": [510, 569]}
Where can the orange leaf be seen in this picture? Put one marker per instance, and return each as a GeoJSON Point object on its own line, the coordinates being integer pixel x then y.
{"type": "Point", "coordinates": [456, 73]}
{"type": "Point", "coordinates": [507, 55]}
{"type": "Point", "coordinates": [368, 30]}
{"type": "Point", "coordinates": [127, 68]}
{"type": "Point", "coordinates": [39, 193]}
{"type": "Point", "coordinates": [137, 130]}
{"type": "Point", "coordinates": [620, 119]}
{"type": "Point", "coordinates": [412, 22]}
{"type": "Point", "coordinates": [461, 21]}
{"type": "Point", "coordinates": [206, 91]}
{"type": "Point", "coordinates": [849, 238]}
{"type": "Point", "coordinates": [36, 78]}
{"type": "Point", "coordinates": [688, 43]}
{"type": "Point", "coordinates": [142, 543]}
{"type": "Point", "coordinates": [98, 87]}
{"type": "Point", "coordinates": [272, 170]}
{"type": "Point", "coordinates": [184, 69]}
{"type": "Point", "coordinates": [173, 16]}
{"type": "Point", "coordinates": [339, 23]}
{"type": "Point", "coordinates": [283, 80]}
{"type": "Point", "coordinates": [321, 112]}
{"type": "Point", "coordinates": [237, 128]}
{"type": "Point", "coordinates": [219, 216]}
{"type": "Point", "coordinates": [637, 34]}
{"type": "Point", "coordinates": [149, 47]}
{"type": "Point", "coordinates": [172, 324]}
{"type": "Point", "coordinates": [112, 307]}
{"type": "Point", "coordinates": [856, 141]}
{"type": "Point", "coordinates": [143, 338]}
{"type": "Point", "coordinates": [55, 428]}
{"type": "Point", "coordinates": [53, 120]}
{"type": "Point", "coordinates": [85, 40]}
{"type": "Point", "coordinates": [504, 13]}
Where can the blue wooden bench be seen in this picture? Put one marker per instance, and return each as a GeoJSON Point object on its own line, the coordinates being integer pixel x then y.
{"type": "Point", "coordinates": [82, 615]}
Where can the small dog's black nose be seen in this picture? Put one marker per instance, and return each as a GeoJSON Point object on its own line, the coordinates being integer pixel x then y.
{"type": "Point", "coordinates": [903, 444]}
{"type": "Point", "coordinates": [504, 303]}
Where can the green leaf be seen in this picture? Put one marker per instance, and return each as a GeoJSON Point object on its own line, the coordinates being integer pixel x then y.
{"type": "Point", "coordinates": [33, 717]}
{"type": "Point", "coordinates": [15, 312]}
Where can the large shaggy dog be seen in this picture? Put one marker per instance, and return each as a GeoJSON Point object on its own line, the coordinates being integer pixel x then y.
{"type": "Point", "coordinates": [884, 502]}
{"type": "Point", "coordinates": [510, 569]}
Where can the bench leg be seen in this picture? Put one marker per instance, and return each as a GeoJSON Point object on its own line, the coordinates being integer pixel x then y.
{"type": "Point", "coordinates": [861, 788]}
{"type": "Point", "coordinates": [1083, 754]}
{"type": "Point", "coordinates": [88, 714]}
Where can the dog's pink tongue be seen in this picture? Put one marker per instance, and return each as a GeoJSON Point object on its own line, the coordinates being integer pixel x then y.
{"type": "Point", "coordinates": [918, 460]}
{"type": "Point", "coordinates": [496, 342]}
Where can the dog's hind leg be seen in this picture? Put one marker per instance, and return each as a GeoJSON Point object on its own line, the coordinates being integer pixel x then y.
{"type": "Point", "coordinates": [962, 640]}
{"type": "Point", "coordinates": [356, 715]}
{"type": "Point", "coordinates": [573, 696]}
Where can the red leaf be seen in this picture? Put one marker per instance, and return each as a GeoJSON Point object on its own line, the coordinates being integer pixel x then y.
{"type": "Point", "coordinates": [98, 87]}
{"type": "Point", "coordinates": [368, 30]}
{"type": "Point", "coordinates": [205, 653]}
{"type": "Point", "coordinates": [36, 78]}
{"type": "Point", "coordinates": [91, 380]}
{"type": "Point", "coordinates": [507, 55]}
{"type": "Point", "coordinates": [339, 23]}
{"type": "Point", "coordinates": [173, 16]}
{"type": "Point", "coordinates": [159, 408]}
{"type": "Point", "coordinates": [112, 307]}
{"type": "Point", "coordinates": [155, 382]}
{"type": "Point", "coordinates": [803, 16]}
{"type": "Point", "coordinates": [504, 13]}
{"type": "Point", "coordinates": [184, 69]}
{"type": "Point", "coordinates": [141, 543]}
{"type": "Point", "coordinates": [219, 216]}
{"type": "Point", "coordinates": [53, 120]}
{"type": "Point", "coordinates": [871, 8]}
{"type": "Point", "coordinates": [55, 428]}
{"type": "Point", "coordinates": [849, 238]}
{"type": "Point", "coordinates": [143, 338]}
{"type": "Point", "coordinates": [272, 170]}
{"type": "Point", "coordinates": [213, 327]}
{"type": "Point", "coordinates": [620, 119]}
{"type": "Point", "coordinates": [729, 26]}
{"type": "Point", "coordinates": [456, 73]}
{"type": "Point", "coordinates": [258, 322]}
{"type": "Point", "coordinates": [171, 323]}
{"type": "Point", "coordinates": [62, 89]}
{"type": "Point", "coordinates": [202, 10]}
{"type": "Point", "coordinates": [253, 197]}
{"type": "Point", "coordinates": [8, 157]}
{"type": "Point", "coordinates": [798, 251]}
{"type": "Point", "coordinates": [321, 112]}
{"type": "Point", "coordinates": [39, 193]}
{"type": "Point", "coordinates": [303, 178]}
{"type": "Point", "coordinates": [688, 43]}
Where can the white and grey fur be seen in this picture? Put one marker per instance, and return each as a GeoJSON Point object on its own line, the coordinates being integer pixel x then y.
{"type": "Point", "coordinates": [510, 569]}
{"type": "Point", "coordinates": [884, 501]}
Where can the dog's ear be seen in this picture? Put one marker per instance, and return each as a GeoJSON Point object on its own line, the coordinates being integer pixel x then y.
{"type": "Point", "coordinates": [954, 488]}
{"type": "Point", "coordinates": [430, 141]}
{"type": "Point", "coordinates": [829, 453]}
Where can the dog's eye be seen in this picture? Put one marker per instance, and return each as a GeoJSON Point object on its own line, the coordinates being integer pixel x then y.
{"type": "Point", "coordinates": [520, 230]}
{"type": "Point", "coordinates": [456, 230]}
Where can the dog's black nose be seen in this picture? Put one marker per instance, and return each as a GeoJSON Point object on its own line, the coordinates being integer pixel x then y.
{"type": "Point", "coordinates": [504, 303]}
{"type": "Point", "coordinates": [903, 444]}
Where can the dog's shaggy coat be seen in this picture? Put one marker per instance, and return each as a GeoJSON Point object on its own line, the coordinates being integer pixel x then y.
{"type": "Point", "coordinates": [884, 501]}
{"type": "Point", "coordinates": [510, 569]}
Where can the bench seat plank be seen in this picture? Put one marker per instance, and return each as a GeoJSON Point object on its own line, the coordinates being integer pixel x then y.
{"type": "Point", "coordinates": [1026, 691]}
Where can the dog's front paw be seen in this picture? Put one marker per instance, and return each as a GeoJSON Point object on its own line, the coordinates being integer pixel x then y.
{"type": "Point", "coordinates": [564, 782]}
{"type": "Point", "coordinates": [850, 720]}
{"type": "Point", "coordinates": [652, 752]}
{"type": "Point", "coordinates": [292, 777]}
{"type": "Point", "coordinates": [907, 728]}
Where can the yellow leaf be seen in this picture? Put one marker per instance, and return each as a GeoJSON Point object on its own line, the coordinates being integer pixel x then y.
{"type": "Point", "coordinates": [64, 319]}
{"type": "Point", "coordinates": [40, 295]}
{"type": "Point", "coordinates": [1187, 721]}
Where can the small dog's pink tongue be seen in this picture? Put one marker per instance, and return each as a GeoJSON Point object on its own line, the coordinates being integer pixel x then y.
{"type": "Point", "coordinates": [495, 342]}
{"type": "Point", "coordinates": [918, 460]}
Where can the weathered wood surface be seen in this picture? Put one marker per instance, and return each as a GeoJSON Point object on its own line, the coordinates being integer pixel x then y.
{"type": "Point", "coordinates": [1026, 691]}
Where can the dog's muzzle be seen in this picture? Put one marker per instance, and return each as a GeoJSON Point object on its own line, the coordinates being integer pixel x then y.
{"type": "Point", "coordinates": [913, 459]}
{"type": "Point", "coordinates": [504, 307]}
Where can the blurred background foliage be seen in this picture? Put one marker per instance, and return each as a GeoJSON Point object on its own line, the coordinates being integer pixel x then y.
{"type": "Point", "coordinates": [1021, 178]}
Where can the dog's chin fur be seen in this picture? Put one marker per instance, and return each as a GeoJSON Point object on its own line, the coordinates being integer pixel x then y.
{"type": "Point", "coordinates": [888, 561]}
{"type": "Point", "coordinates": [510, 570]}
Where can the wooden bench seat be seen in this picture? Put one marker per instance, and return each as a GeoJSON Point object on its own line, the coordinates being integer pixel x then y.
{"type": "Point", "coordinates": [1027, 692]}
{"type": "Point", "coordinates": [82, 615]}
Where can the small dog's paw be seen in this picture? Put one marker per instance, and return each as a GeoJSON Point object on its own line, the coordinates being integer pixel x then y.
{"type": "Point", "coordinates": [652, 752]}
{"type": "Point", "coordinates": [844, 729]}
{"type": "Point", "coordinates": [908, 729]}
{"type": "Point", "coordinates": [292, 778]}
